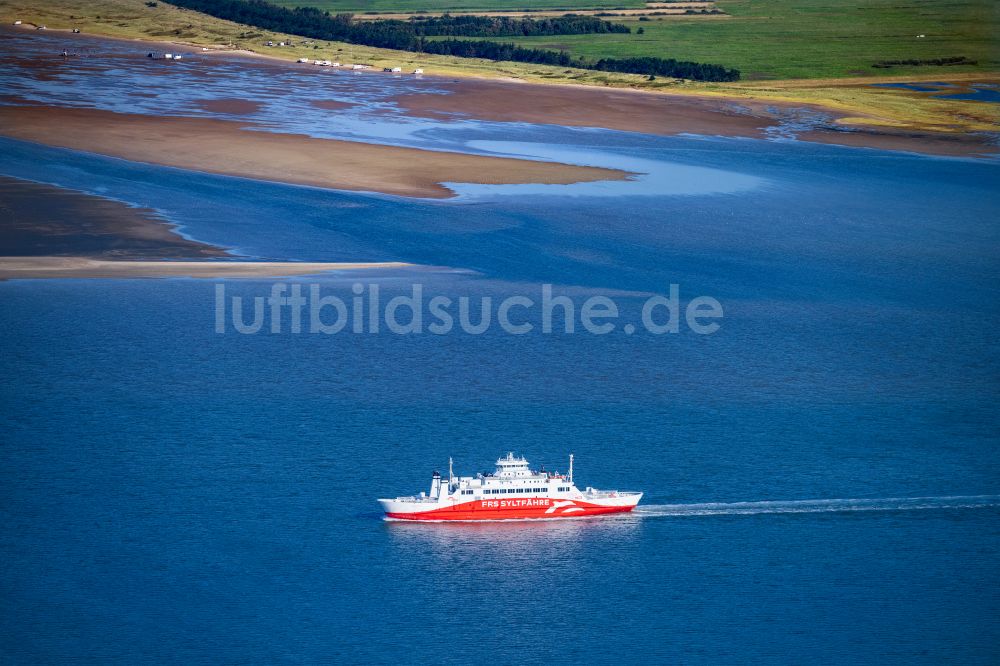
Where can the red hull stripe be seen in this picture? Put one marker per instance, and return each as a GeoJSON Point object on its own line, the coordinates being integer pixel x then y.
{"type": "Point", "coordinates": [513, 509]}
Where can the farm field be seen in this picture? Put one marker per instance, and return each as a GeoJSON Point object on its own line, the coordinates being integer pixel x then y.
{"type": "Point", "coordinates": [795, 39]}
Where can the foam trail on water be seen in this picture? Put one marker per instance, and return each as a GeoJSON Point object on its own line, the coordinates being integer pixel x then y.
{"type": "Point", "coordinates": [819, 506]}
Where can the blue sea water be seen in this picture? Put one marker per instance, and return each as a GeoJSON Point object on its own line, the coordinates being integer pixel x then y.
{"type": "Point", "coordinates": [821, 475]}
{"type": "Point", "coordinates": [976, 92]}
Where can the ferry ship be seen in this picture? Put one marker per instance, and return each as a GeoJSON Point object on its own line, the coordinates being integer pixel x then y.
{"type": "Point", "coordinates": [513, 492]}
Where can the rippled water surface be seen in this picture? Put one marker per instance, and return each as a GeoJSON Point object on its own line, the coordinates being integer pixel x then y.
{"type": "Point", "coordinates": [821, 474]}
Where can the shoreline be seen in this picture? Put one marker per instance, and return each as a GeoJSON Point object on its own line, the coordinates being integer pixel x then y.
{"type": "Point", "coordinates": [874, 118]}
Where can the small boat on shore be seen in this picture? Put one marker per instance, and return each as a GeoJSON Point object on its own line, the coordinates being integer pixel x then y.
{"type": "Point", "coordinates": [512, 492]}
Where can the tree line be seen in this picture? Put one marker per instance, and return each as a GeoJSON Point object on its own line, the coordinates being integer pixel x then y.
{"type": "Point", "coordinates": [413, 36]}
{"type": "Point", "coordinates": [937, 62]}
{"type": "Point", "coordinates": [502, 26]}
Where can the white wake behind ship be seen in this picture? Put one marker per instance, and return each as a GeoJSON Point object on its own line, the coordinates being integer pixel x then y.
{"type": "Point", "coordinates": [513, 492]}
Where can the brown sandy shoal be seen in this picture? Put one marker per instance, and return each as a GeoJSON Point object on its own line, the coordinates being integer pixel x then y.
{"type": "Point", "coordinates": [579, 106]}
{"type": "Point", "coordinates": [14, 268]}
{"type": "Point", "coordinates": [42, 220]}
{"type": "Point", "coordinates": [664, 114]}
{"type": "Point", "coordinates": [51, 232]}
{"type": "Point", "coordinates": [237, 107]}
{"type": "Point", "coordinates": [330, 104]}
{"type": "Point", "coordinates": [227, 147]}
{"type": "Point", "coordinates": [953, 145]}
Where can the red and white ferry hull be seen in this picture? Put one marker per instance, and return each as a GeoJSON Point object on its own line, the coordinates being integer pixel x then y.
{"type": "Point", "coordinates": [521, 508]}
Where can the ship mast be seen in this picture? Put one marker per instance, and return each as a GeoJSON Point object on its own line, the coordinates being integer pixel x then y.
{"type": "Point", "coordinates": [571, 468]}
{"type": "Point", "coordinates": [451, 475]}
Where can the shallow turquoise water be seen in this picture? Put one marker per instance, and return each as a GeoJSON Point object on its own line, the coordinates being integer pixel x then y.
{"type": "Point", "coordinates": [175, 495]}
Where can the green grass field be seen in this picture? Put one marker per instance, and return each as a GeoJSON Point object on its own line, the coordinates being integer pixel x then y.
{"type": "Point", "coordinates": [786, 39]}
{"type": "Point", "coordinates": [360, 6]}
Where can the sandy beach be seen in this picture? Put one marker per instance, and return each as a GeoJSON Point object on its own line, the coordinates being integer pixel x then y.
{"type": "Point", "coordinates": [230, 148]}
{"type": "Point", "coordinates": [13, 268]}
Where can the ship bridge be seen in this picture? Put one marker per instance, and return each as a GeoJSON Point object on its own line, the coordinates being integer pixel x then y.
{"type": "Point", "coordinates": [511, 467]}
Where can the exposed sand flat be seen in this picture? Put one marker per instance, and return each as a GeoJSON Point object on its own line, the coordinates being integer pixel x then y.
{"type": "Point", "coordinates": [953, 145]}
{"type": "Point", "coordinates": [51, 232]}
{"type": "Point", "coordinates": [665, 113]}
{"type": "Point", "coordinates": [226, 147]}
{"type": "Point", "coordinates": [42, 220]}
{"type": "Point", "coordinates": [237, 107]}
{"type": "Point", "coordinates": [579, 106]}
{"type": "Point", "coordinates": [12, 268]}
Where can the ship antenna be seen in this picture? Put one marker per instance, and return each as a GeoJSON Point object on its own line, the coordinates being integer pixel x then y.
{"type": "Point", "coordinates": [571, 468]}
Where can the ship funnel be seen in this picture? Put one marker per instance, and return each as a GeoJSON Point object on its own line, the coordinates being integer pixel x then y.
{"type": "Point", "coordinates": [435, 484]}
